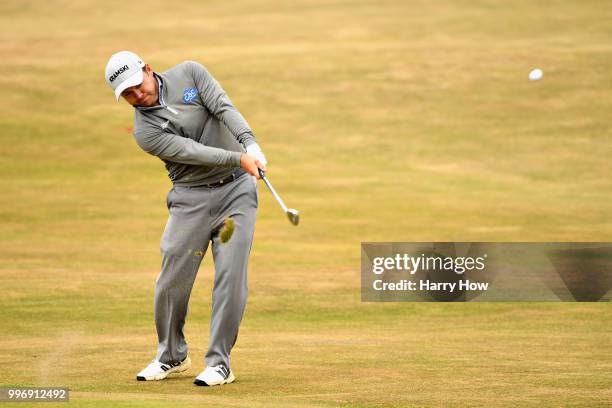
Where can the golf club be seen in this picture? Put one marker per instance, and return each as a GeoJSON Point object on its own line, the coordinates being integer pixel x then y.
{"type": "Point", "coordinates": [292, 214]}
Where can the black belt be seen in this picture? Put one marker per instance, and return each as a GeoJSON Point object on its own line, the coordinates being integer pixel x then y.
{"type": "Point", "coordinates": [224, 181]}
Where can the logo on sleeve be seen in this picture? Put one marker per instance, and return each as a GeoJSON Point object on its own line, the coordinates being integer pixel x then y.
{"type": "Point", "coordinates": [189, 95]}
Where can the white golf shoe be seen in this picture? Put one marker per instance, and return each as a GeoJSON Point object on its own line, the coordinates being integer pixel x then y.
{"type": "Point", "coordinates": [216, 375]}
{"type": "Point", "coordinates": [158, 370]}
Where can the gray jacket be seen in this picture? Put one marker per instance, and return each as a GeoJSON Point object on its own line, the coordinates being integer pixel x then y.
{"type": "Point", "coordinates": [195, 130]}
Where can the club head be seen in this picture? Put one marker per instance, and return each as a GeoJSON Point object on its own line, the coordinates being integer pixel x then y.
{"type": "Point", "coordinates": [294, 216]}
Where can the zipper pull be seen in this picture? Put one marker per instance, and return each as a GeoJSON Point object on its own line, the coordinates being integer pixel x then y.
{"type": "Point", "coordinates": [172, 110]}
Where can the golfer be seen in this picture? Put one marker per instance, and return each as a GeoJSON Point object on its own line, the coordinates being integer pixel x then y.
{"type": "Point", "coordinates": [184, 117]}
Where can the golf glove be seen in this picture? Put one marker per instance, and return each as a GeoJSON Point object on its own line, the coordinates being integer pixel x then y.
{"type": "Point", "coordinates": [255, 151]}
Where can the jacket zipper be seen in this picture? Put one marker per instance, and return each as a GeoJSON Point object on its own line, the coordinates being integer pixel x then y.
{"type": "Point", "coordinates": [171, 110]}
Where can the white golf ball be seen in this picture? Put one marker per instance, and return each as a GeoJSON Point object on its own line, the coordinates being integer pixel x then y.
{"type": "Point", "coordinates": [535, 74]}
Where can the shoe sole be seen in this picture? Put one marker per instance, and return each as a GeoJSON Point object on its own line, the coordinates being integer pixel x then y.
{"type": "Point", "coordinates": [228, 380]}
{"type": "Point", "coordinates": [183, 367]}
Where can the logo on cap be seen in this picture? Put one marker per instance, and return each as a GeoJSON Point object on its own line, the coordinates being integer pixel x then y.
{"type": "Point", "coordinates": [189, 95]}
{"type": "Point", "coordinates": [118, 72]}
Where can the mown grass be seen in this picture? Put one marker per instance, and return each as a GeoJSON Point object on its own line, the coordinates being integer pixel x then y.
{"type": "Point", "coordinates": [382, 121]}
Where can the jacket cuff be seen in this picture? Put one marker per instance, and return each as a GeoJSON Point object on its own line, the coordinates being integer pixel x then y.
{"type": "Point", "coordinates": [235, 159]}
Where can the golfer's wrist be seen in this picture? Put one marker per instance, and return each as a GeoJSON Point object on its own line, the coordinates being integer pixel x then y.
{"type": "Point", "coordinates": [244, 161]}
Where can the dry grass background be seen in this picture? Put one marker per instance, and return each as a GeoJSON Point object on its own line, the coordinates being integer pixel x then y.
{"type": "Point", "coordinates": [382, 121]}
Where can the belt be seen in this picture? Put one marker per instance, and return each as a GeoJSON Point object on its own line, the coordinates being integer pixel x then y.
{"type": "Point", "coordinates": [224, 181]}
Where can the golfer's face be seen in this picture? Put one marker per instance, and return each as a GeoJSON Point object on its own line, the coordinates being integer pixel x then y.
{"type": "Point", "coordinates": [144, 94]}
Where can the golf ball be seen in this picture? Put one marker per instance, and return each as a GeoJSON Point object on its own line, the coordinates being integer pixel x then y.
{"type": "Point", "coordinates": [535, 74]}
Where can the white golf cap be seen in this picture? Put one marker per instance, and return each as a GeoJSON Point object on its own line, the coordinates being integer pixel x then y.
{"type": "Point", "coordinates": [124, 69]}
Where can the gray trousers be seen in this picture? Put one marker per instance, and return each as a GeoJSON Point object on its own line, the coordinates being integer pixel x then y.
{"type": "Point", "coordinates": [196, 215]}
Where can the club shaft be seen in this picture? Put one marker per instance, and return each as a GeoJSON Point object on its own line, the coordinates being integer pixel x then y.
{"type": "Point", "coordinates": [274, 193]}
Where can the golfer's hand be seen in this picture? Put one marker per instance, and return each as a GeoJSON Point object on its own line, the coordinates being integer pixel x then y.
{"type": "Point", "coordinates": [251, 164]}
{"type": "Point", "coordinates": [255, 151]}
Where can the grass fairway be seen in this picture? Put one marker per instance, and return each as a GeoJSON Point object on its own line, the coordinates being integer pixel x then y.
{"type": "Point", "coordinates": [382, 121]}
